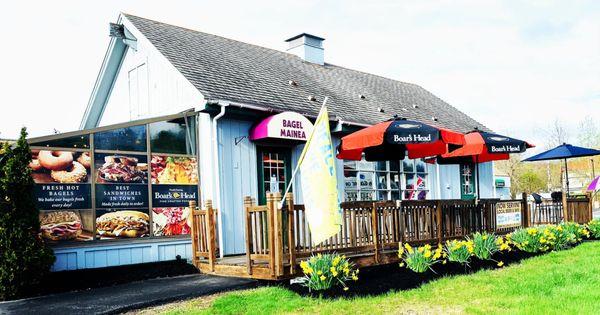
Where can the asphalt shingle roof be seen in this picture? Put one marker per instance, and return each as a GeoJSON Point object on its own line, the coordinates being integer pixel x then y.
{"type": "Point", "coordinates": [226, 69]}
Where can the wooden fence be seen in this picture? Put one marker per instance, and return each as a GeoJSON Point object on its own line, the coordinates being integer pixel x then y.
{"type": "Point", "coordinates": [578, 209]}
{"type": "Point", "coordinates": [370, 231]}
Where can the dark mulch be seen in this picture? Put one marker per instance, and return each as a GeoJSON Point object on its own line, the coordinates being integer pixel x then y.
{"type": "Point", "coordinates": [385, 278]}
{"type": "Point", "coordinates": [78, 280]}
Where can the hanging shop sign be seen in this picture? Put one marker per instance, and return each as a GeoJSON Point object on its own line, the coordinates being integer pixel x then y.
{"type": "Point", "coordinates": [286, 125]}
{"type": "Point", "coordinates": [508, 214]}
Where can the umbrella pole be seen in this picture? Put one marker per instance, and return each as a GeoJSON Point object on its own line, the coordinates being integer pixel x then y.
{"type": "Point", "coordinates": [477, 163]}
{"type": "Point", "coordinates": [567, 176]}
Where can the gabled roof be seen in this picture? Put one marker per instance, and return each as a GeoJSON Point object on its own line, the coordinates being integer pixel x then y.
{"type": "Point", "coordinates": [226, 69]}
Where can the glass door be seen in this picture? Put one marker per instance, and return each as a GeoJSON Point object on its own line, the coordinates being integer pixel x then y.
{"type": "Point", "coordinates": [274, 170]}
{"type": "Point", "coordinates": [467, 181]}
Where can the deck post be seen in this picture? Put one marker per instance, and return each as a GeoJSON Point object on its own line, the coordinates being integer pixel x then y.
{"type": "Point", "coordinates": [248, 224]}
{"type": "Point", "coordinates": [291, 233]}
{"type": "Point", "coordinates": [193, 233]}
{"type": "Point", "coordinates": [278, 233]}
{"type": "Point", "coordinates": [210, 225]}
{"type": "Point", "coordinates": [439, 223]}
{"type": "Point", "coordinates": [374, 228]}
{"type": "Point", "coordinates": [525, 217]}
{"type": "Point", "coordinates": [271, 232]}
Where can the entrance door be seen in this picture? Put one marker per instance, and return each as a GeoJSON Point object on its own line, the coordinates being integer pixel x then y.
{"type": "Point", "coordinates": [467, 181]}
{"type": "Point", "coordinates": [274, 170]}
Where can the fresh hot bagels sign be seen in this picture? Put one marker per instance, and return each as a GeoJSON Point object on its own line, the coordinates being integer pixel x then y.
{"type": "Point", "coordinates": [286, 125]}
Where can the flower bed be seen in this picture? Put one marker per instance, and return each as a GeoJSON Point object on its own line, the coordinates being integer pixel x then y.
{"type": "Point", "coordinates": [480, 251]}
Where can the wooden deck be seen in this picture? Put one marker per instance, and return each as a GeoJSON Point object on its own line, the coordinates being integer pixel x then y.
{"type": "Point", "coordinates": [278, 239]}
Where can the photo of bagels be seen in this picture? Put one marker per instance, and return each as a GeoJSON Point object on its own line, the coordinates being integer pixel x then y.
{"type": "Point", "coordinates": [59, 166]}
{"type": "Point", "coordinates": [123, 224]}
{"type": "Point", "coordinates": [121, 169]}
{"type": "Point", "coordinates": [60, 225]}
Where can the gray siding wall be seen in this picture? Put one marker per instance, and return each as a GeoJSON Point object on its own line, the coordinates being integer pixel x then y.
{"type": "Point", "coordinates": [238, 178]}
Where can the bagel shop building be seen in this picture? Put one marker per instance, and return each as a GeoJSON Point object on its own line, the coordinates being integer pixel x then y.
{"type": "Point", "coordinates": [178, 115]}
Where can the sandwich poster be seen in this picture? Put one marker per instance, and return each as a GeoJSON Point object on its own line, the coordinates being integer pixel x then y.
{"type": "Point", "coordinates": [117, 224]}
{"type": "Point", "coordinates": [72, 225]}
{"type": "Point", "coordinates": [121, 181]}
{"type": "Point", "coordinates": [62, 179]}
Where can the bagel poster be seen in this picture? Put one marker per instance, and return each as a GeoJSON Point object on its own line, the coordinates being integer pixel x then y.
{"type": "Point", "coordinates": [62, 179]}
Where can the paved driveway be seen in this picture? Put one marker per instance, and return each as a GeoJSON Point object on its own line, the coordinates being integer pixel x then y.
{"type": "Point", "coordinates": [125, 297]}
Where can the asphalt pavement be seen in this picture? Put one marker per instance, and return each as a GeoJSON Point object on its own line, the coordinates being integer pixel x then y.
{"type": "Point", "coordinates": [125, 297]}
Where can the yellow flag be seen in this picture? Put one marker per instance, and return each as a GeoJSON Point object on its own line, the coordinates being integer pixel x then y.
{"type": "Point", "coordinates": [319, 182]}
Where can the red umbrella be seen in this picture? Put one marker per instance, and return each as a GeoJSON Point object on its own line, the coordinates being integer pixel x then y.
{"type": "Point", "coordinates": [390, 140]}
{"type": "Point", "coordinates": [481, 147]}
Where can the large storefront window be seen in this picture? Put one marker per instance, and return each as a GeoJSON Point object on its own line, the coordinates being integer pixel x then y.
{"type": "Point", "coordinates": [385, 180]}
{"type": "Point", "coordinates": [129, 182]}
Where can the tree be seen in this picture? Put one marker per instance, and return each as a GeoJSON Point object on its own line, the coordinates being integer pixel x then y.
{"type": "Point", "coordinates": [24, 257]}
{"type": "Point", "coordinates": [589, 135]}
{"type": "Point", "coordinates": [556, 134]}
{"type": "Point", "coordinates": [531, 181]}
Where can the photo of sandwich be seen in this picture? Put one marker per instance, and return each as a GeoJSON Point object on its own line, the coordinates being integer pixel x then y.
{"type": "Point", "coordinates": [123, 224]}
{"type": "Point", "coordinates": [64, 167]}
{"type": "Point", "coordinates": [121, 169]}
{"type": "Point", "coordinates": [60, 225]}
{"type": "Point", "coordinates": [174, 170]}
{"type": "Point", "coordinates": [171, 221]}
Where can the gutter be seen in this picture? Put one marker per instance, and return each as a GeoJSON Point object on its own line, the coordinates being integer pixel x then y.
{"type": "Point", "coordinates": [272, 110]}
{"type": "Point", "coordinates": [216, 167]}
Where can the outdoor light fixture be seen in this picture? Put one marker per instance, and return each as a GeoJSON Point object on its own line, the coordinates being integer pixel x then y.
{"type": "Point", "coordinates": [116, 30]}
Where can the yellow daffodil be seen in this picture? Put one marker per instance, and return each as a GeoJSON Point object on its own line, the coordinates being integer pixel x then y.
{"type": "Point", "coordinates": [319, 273]}
{"type": "Point", "coordinates": [500, 264]}
{"type": "Point", "coordinates": [345, 288]}
{"type": "Point", "coordinates": [322, 278]}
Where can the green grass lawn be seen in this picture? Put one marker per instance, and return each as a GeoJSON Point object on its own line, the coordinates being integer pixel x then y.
{"type": "Point", "coordinates": [566, 282]}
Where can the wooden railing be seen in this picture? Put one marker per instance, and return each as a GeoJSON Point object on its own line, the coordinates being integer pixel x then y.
{"type": "Point", "coordinates": [370, 230]}
{"type": "Point", "coordinates": [579, 209]}
{"type": "Point", "coordinates": [547, 212]}
{"type": "Point", "coordinates": [203, 234]}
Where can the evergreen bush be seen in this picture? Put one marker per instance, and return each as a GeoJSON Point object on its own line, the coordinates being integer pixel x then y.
{"type": "Point", "coordinates": [24, 257]}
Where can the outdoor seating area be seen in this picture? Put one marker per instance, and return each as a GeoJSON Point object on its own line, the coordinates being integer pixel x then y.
{"type": "Point", "coordinates": [277, 240]}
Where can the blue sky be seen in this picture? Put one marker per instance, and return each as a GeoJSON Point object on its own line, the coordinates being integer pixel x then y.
{"type": "Point", "coordinates": [516, 66]}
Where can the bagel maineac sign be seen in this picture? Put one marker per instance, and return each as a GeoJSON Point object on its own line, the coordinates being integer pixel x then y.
{"type": "Point", "coordinates": [286, 125]}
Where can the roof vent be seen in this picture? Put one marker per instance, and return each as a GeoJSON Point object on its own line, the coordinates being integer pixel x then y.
{"type": "Point", "coordinates": [308, 47]}
{"type": "Point", "coordinates": [434, 118]}
{"type": "Point", "coordinates": [292, 83]}
{"type": "Point", "coordinates": [381, 110]}
{"type": "Point", "coordinates": [312, 98]}
{"type": "Point", "coordinates": [404, 109]}
{"type": "Point", "coordinates": [362, 97]}
{"type": "Point", "coordinates": [415, 106]}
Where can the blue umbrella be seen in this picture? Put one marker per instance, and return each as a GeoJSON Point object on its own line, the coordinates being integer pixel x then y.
{"type": "Point", "coordinates": [563, 152]}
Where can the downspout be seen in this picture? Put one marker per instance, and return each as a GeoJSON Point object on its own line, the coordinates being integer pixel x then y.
{"type": "Point", "coordinates": [217, 175]}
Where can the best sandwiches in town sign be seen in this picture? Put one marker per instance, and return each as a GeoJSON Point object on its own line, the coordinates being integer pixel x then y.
{"type": "Point", "coordinates": [286, 125]}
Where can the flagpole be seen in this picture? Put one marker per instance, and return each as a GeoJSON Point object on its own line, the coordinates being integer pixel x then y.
{"type": "Point", "coordinates": [287, 189]}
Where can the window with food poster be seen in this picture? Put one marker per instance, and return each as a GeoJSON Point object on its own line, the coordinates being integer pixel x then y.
{"type": "Point", "coordinates": [121, 181]}
{"type": "Point", "coordinates": [62, 191]}
{"type": "Point", "coordinates": [174, 185]}
{"type": "Point", "coordinates": [122, 224]}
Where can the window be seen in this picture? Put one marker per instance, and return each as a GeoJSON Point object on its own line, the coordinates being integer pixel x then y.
{"type": "Point", "coordinates": [385, 180]}
{"type": "Point", "coordinates": [173, 136]}
{"type": "Point", "coordinates": [124, 139]}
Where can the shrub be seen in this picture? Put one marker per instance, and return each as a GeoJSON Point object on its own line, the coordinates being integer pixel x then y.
{"type": "Point", "coordinates": [420, 259]}
{"type": "Point", "coordinates": [594, 228]}
{"type": "Point", "coordinates": [578, 230]}
{"type": "Point", "coordinates": [557, 238]}
{"type": "Point", "coordinates": [459, 251]}
{"type": "Point", "coordinates": [24, 258]}
{"type": "Point", "coordinates": [527, 240]}
{"type": "Point", "coordinates": [321, 272]}
{"type": "Point", "coordinates": [484, 245]}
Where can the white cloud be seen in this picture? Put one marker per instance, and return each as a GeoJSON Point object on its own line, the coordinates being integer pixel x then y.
{"type": "Point", "coordinates": [514, 66]}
